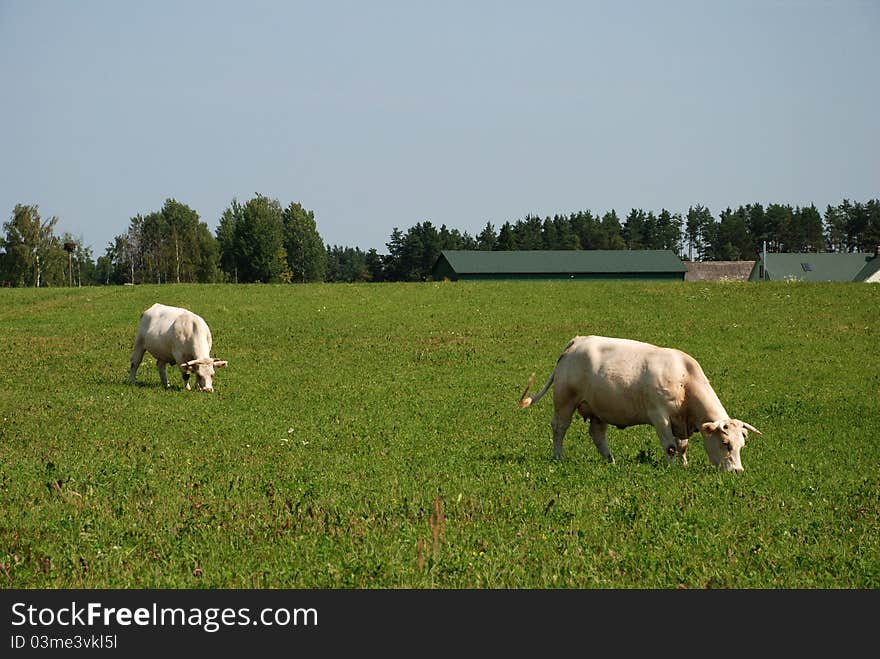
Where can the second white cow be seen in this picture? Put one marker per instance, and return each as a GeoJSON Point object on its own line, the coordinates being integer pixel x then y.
{"type": "Point", "coordinates": [626, 383]}
{"type": "Point", "coordinates": [174, 335]}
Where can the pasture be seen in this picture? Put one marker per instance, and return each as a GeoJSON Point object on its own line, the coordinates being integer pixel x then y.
{"type": "Point", "coordinates": [368, 436]}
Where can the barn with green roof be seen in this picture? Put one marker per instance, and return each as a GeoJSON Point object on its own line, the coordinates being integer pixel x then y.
{"type": "Point", "coordinates": [658, 264]}
{"type": "Point", "coordinates": [820, 266]}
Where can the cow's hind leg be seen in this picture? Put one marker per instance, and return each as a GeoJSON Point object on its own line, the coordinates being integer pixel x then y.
{"type": "Point", "coordinates": [561, 421]}
{"type": "Point", "coordinates": [559, 425]}
{"type": "Point", "coordinates": [137, 356]}
{"type": "Point", "coordinates": [599, 433]}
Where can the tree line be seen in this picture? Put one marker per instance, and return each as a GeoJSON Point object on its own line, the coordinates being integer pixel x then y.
{"type": "Point", "coordinates": [261, 240]}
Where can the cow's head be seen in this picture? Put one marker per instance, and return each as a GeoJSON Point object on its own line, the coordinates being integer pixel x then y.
{"type": "Point", "coordinates": [724, 439]}
{"type": "Point", "coordinates": [204, 371]}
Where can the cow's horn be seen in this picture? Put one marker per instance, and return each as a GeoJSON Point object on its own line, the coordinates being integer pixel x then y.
{"type": "Point", "coordinates": [220, 362]}
{"type": "Point", "coordinates": [751, 428]}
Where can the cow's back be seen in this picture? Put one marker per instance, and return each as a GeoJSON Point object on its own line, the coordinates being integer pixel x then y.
{"type": "Point", "coordinates": [173, 333]}
{"type": "Point", "coordinates": [621, 380]}
{"type": "Point", "coordinates": [157, 320]}
{"type": "Point", "coordinates": [192, 334]}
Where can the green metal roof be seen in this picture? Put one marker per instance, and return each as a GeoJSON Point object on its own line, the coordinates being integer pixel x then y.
{"type": "Point", "coordinates": [823, 266]}
{"type": "Point", "coordinates": [871, 268]}
{"type": "Point", "coordinates": [563, 261]}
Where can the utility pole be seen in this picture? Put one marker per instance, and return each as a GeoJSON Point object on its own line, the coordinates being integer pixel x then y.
{"type": "Point", "coordinates": [69, 247]}
{"type": "Point", "coordinates": [764, 263]}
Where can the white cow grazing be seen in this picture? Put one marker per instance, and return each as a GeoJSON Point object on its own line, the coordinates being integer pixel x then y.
{"type": "Point", "coordinates": [176, 336]}
{"type": "Point", "coordinates": [626, 383]}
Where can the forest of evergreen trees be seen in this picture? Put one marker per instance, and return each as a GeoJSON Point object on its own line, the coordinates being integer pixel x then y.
{"type": "Point", "coordinates": [263, 241]}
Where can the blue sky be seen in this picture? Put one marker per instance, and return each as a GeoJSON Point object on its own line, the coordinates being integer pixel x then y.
{"type": "Point", "coordinates": [382, 114]}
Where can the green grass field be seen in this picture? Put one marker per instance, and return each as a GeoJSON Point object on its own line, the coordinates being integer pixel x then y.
{"type": "Point", "coordinates": [349, 415]}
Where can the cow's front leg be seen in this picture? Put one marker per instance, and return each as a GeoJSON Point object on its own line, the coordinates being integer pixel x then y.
{"type": "Point", "coordinates": [162, 374]}
{"type": "Point", "coordinates": [185, 374]}
{"type": "Point", "coordinates": [667, 440]}
{"type": "Point", "coordinates": [682, 445]}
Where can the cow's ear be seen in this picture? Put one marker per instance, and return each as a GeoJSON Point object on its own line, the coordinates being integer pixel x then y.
{"type": "Point", "coordinates": [709, 427]}
{"type": "Point", "coordinates": [218, 363]}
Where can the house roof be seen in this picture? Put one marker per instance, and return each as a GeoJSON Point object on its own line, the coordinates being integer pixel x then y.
{"type": "Point", "coordinates": [822, 266]}
{"type": "Point", "coordinates": [563, 261]}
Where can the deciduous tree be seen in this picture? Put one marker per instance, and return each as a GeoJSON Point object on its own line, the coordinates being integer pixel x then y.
{"type": "Point", "coordinates": [306, 253]}
{"type": "Point", "coordinates": [34, 255]}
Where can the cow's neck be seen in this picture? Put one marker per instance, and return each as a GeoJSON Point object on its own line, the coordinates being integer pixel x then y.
{"type": "Point", "coordinates": [705, 406]}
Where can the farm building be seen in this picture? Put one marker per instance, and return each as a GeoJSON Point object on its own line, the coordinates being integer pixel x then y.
{"type": "Point", "coordinates": [822, 266]}
{"type": "Point", "coordinates": [558, 264]}
{"type": "Point", "coordinates": [718, 270]}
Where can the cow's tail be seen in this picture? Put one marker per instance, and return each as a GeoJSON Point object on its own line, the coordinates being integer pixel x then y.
{"type": "Point", "coordinates": [525, 401]}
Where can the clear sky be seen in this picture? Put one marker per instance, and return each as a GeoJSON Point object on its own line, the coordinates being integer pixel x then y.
{"type": "Point", "coordinates": [379, 114]}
